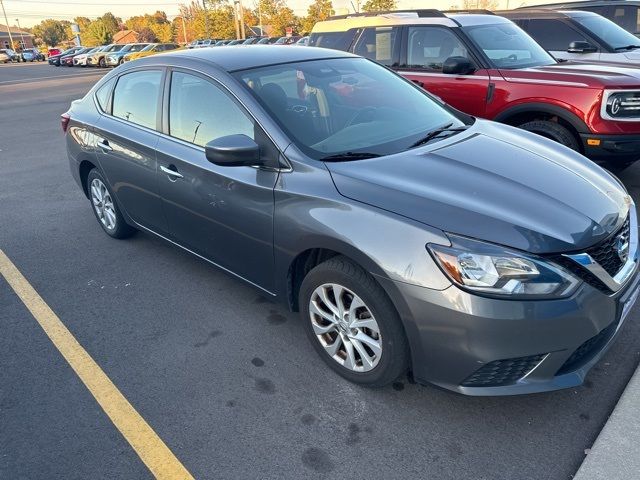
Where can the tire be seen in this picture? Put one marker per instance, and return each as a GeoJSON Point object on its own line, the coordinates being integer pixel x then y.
{"type": "Point", "coordinates": [106, 212]}
{"type": "Point", "coordinates": [102, 63]}
{"type": "Point", "coordinates": [121, 61]}
{"type": "Point", "coordinates": [553, 131]}
{"type": "Point", "coordinates": [392, 361]}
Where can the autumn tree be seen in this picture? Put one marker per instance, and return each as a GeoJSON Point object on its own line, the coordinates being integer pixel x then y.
{"type": "Point", "coordinates": [51, 32]}
{"type": "Point", "coordinates": [318, 11]}
{"type": "Point", "coordinates": [157, 23]}
{"type": "Point", "coordinates": [147, 35]}
{"type": "Point", "coordinates": [98, 33]}
{"type": "Point", "coordinates": [278, 16]}
{"type": "Point", "coordinates": [379, 5]}
{"type": "Point", "coordinates": [479, 4]}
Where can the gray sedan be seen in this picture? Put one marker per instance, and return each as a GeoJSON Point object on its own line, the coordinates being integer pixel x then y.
{"type": "Point", "coordinates": [411, 237]}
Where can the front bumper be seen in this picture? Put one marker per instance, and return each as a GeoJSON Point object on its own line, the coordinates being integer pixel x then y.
{"type": "Point", "coordinates": [611, 149]}
{"type": "Point", "coordinates": [80, 61]}
{"type": "Point", "coordinates": [485, 346]}
{"type": "Point", "coordinates": [111, 61]}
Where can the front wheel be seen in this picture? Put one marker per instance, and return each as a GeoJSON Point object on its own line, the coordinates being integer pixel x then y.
{"type": "Point", "coordinates": [102, 63]}
{"type": "Point", "coordinates": [552, 131]}
{"type": "Point", "coordinates": [352, 324]}
{"type": "Point", "coordinates": [105, 208]}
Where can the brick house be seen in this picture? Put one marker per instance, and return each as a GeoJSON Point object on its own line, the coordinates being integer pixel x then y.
{"type": "Point", "coordinates": [21, 37]}
{"type": "Point", "coordinates": [125, 36]}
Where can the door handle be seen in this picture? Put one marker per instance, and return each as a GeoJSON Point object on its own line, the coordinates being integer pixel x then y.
{"type": "Point", "coordinates": [104, 146]}
{"type": "Point", "coordinates": [171, 173]}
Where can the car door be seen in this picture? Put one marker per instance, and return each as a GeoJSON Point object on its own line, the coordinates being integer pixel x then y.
{"type": "Point", "coordinates": [224, 214]}
{"type": "Point", "coordinates": [425, 50]}
{"type": "Point", "coordinates": [555, 36]}
{"type": "Point", "coordinates": [126, 142]}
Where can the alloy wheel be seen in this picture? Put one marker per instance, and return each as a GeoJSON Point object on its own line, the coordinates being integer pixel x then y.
{"type": "Point", "coordinates": [345, 327]}
{"type": "Point", "coordinates": [103, 204]}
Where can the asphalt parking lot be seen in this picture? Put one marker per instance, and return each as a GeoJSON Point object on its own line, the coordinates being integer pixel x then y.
{"type": "Point", "coordinates": [226, 378]}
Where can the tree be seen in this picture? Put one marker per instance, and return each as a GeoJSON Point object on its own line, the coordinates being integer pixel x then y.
{"type": "Point", "coordinates": [318, 11]}
{"type": "Point", "coordinates": [479, 4]}
{"type": "Point", "coordinates": [147, 35]}
{"type": "Point", "coordinates": [278, 16]}
{"type": "Point", "coordinates": [379, 5]}
{"type": "Point", "coordinates": [98, 33]}
{"type": "Point", "coordinates": [52, 32]}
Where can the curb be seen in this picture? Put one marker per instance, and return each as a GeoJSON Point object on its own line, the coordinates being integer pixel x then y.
{"type": "Point", "coordinates": [616, 452]}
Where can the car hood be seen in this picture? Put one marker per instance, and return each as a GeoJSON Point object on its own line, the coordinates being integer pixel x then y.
{"type": "Point", "coordinates": [494, 183]}
{"type": "Point", "coordinates": [575, 74]}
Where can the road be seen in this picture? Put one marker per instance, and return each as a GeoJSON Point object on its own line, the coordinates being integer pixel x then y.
{"type": "Point", "coordinates": [226, 378]}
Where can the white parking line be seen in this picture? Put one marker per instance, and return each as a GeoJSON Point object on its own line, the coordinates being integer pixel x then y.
{"type": "Point", "coordinates": [37, 79]}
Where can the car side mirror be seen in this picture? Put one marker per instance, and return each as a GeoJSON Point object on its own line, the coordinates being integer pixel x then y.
{"type": "Point", "coordinates": [457, 66]}
{"type": "Point", "coordinates": [233, 151]}
{"type": "Point", "coordinates": [581, 47]}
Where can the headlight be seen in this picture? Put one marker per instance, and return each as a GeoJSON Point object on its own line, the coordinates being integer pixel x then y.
{"type": "Point", "coordinates": [621, 105]}
{"type": "Point", "coordinates": [492, 270]}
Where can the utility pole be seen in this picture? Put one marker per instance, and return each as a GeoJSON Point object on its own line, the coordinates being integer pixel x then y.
{"type": "Point", "coordinates": [184, 29]}
{"type": "Point", "coordinates": [8, 27]}
{"type": "Point", "coordinates": [206, 17]}
{"type": "Point", "coordinates": [260, 19]}
{"type": "Point", "coordinates": [235, 16]}
{"type": "Point", "coordinates": [21, 34]}
{"type": "Point", "coordinates": [241, 19]}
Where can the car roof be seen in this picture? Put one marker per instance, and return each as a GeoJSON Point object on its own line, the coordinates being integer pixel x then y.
{"type": "Point", "coordinates": [544, 13]}
{"type": "Point", "coordinates": [589, 3]}
{"type": "Point", "coordinates": [241, 57]}
{"type": "Point", "coordinates": [425, 17]}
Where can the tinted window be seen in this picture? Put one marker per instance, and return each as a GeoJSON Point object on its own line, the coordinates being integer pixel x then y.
{"type": "Point", "coordinates": [429, 47]}
{"type": "Point", "coordinates": [627, 18]}
{"type": "Point", "coordinates": [200, 112]}
{"type": "Point", "coordinates": [135, 97]}
{"type": "Point", "coordinates": [102, 94]}
{"type": "Point", "coordinates": [377, 44]}
{"type": "Point", "coordinates": [508, 46]}
{"type": "Point", "coordinates": [553, 34]}
{"type": "Point", "coordinates": [608, 32]}
{"type": "Point", "coordinates": [330, 107]}
{"type": "Point", "coordinates": [334, 40]}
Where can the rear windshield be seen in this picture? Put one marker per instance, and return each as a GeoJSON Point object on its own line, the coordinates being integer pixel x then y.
{"type": "Point", "coordinates": [334, 40]}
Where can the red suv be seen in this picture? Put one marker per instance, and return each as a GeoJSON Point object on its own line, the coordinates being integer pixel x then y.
{"type": "Point", "coordinates": [486, 66]}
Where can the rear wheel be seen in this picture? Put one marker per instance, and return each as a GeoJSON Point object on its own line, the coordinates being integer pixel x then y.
{"type": "Point", "coordinates": [552, 131]}
{"type": "Point", "coordinates": [105, 208]}
{"type": "Point", "coordinates": [352, 324]}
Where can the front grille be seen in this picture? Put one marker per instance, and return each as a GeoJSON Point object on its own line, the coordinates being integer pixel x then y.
{"type": "Point", "coordinates": [605, 253]}
{"type": "Point", "coordinates": [503, 372]}
{"type": "Point", "coordinates": [588, 350]}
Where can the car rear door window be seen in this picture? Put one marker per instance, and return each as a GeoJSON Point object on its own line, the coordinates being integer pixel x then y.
{"type": "Point", "coordinates": [429, 47]}
{"type": "Point", "coordinates": [135, 97]}
{"type": "Point", "coordinates": [377, 43]}
{"type": "Point", "coordinates": [552, 34]}
{"type": "Point", "coordinates": [199, 111]}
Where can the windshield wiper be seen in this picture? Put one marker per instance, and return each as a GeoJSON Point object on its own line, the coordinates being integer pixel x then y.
{"type": "Point", "coordinates": [349, 156]}
{"type": "Point", "coordinates": [627, 47]}
{"type": "Point", "coordinates": [449, 128]}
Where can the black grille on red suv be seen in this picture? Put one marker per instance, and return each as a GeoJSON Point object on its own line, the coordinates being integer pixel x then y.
{"type": "Point", "coordinates": [503, 372]}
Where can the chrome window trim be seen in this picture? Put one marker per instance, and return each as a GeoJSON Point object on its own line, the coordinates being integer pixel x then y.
{"type": "Point", "coordinates": [616, 282]}
{"type": "Point", "coordinates": [603, 105]}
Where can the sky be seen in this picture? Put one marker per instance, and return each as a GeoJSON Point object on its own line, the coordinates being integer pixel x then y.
{"type": "Point", "coordinates": [31, 12]}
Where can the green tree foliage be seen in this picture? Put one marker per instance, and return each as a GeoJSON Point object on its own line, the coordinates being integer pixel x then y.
{"type": "Point", "coordinates": [98, 33]}
{"type": "Point", "coordinates": [318, 11]}
{"type": "Point", "coordinates": [51, 32]}
{"type": "Point", "coordinates": [379, 5]}
{"type": "Point", "coordinates": [278, 16]}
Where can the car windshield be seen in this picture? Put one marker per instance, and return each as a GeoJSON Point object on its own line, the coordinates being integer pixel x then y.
{"type": "Point", "coordinates": [608, 32]}
{"type": "Point", "coordinates": [508, 47]}
{"type": "Point", "coordinates": [346, 108]}
{"type": "Point", "coordinates": [149, 47]}
{"type": "Point", "coordinates": [116, 48]}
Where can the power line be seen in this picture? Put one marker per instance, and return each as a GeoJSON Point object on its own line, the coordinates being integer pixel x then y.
{"type": "Point", "coordinates": [93, 4]}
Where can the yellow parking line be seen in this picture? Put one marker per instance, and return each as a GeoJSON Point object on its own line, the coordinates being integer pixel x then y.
{"type": "Point", "coordinates": [146, 443]}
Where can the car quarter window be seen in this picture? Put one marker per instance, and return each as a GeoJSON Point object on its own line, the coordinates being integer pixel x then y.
{"type": "Point", "coordinates": [102, 94]}
{"type": "Point", "coordinates": [553, 34]}
{"type": "Point", "coordinates": [377, 43]}
{"type": "Point", "coordinates": [429, 47]}
{"type": "Point", "coordinates": [199, 111]}
{"type": "Point", "coordinates": [135, 97]}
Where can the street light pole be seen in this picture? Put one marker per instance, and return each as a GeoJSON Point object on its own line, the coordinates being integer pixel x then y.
{"type": "Point", "coordinates": [206, 17]}
{"type": "Point", "coordinates": [241, 19]}
{"type": "Point", "coordinates": [21, 34]}
{"type": "Point", "coordinates": [7, 21]}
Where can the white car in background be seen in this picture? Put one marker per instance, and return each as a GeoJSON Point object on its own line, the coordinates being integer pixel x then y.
{"type": "Point", "coordinates": [81, 60]}
{"type": "Point", "coordinates": [4, 58]}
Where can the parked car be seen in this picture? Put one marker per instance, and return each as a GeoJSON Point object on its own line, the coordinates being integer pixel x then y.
{"type": "Point", "coordinates": [192, 44]}
{"type": "Point", "coordinates": [54, 51]}
{"type": "Point", "coordinates": [579, 36]}
{"type": "Point", "coordinates": [625, 13]}
{"type": "Point", "coordinates": [487, 259]}
{"type": "Point", "coordinates": [152, 49]}
{"type": "Point", "coordinates": [268, 40]}
{"type": "Point", "coordinates": [221, 43]}
{"type": "Point", "coordinates": [303, 42]}
{"type": "Point", "coordinates": [4, 58]}
{"type": "Point", "coordinates": [486, 66]}
{"type": "Point", "coordinates": [55, 59]}
{"type": "Point", "coordinates": [113, 59]}
{"type": "Point", "coordinates": [12, 54]}
{"type": "Point", "coordinates": [32, 55]}
{"type": "Point", "coordinates": [288, 40]}
{"type": "Point", "coordinates": [67, 60]}
{"type": "Point", "coordinates": [251, 41]}
{"type": "Point", "coordinates": [236, 42]}
{"type": "Point", "coordinates": [205, 43]}
{"type": "Point", "coordinates": [98, 59]}
{"type": "Point", "coordinates": [80, 59]}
